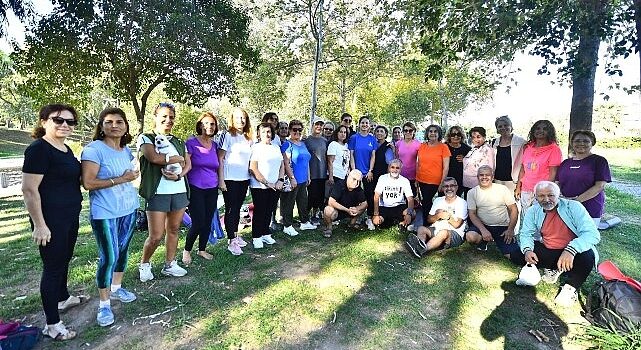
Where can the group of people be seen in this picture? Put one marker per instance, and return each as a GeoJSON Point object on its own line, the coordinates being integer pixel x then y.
{"type": "Point", "coordinates": [335, 172]}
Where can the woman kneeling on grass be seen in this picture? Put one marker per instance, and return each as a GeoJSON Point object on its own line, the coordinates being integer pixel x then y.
{"type": "Point", "coordinates": [51, 189]}
{"type": "Point", "coordinates": [107, 173]}
{"type": "Point", "coordinates": [267, 169]}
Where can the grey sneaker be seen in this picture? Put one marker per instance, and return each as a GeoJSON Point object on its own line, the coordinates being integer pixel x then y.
{"type": "Point", "coordinates": [123, 295]}
{"type": "Point", "coordinates": [172, 269]}
{"type": "Point", "coordinates": [145, 272]}
{"type": "Point", "coordinates": [551, 276]}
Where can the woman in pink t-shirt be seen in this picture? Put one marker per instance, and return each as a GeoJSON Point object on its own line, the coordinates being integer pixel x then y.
{"type": "Point", "coordinates": [406, 151]}
{"type": "Point", "coordinates": [541, 160]}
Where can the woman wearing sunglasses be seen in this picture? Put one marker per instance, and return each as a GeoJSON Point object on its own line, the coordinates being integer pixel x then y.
{"type": "Point", "coordinates": [296, 158]}
{"type": "Point", "coordinates": [165, 192]}
{"type": "Point", "coordinates": [407, 151]}
{"type": "Point", "coordinates": [362, 146]}
{"type": "Point", "coordinates": [51, 189]}
{"type": "Point", "coordinates": [508, 148]}
{"type": "Point", "coordinates": [107, 173]}
{"type": "Point", "coordinates": [456, 142]}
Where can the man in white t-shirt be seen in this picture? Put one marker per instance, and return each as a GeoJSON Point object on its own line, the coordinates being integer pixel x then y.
{"type": "Point", "coordinates": [393, 197]}
{"type": "Point", "coordinates": [447, 223]}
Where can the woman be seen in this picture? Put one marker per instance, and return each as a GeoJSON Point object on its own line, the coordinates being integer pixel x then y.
{"type": "Point", "coordinates": [480, 154]}
{"type": "Point", "coordinates": [51, 189]}
{"type": "Point", "coordinates": [202, 153]}
{"type": "Point", "coordinates": [433, 162]}
{"type": "Point", "coordinates": [583, 176]}
{"type": "Point", "coordinates": [508, 148]}
{"type": "Point", "coordinates": [296, 158]}
{"type": "Point", "coordinates": [397, 134]}
{"type": "Point", "coordinates": [107, 174]}
{"type": "Point", "coordinates": [407, 151]}
{"type": "Point", "coordinates": [338, 156]}
{"type": "Point", "coordinates": [384, 153]}
{"type": "Point", "coordinates": [458, 149]}
{"type": "Point", "coordinates": [233, 173]}
{"type": "Point", "coordinates": [267, 169]}
{"type": "Point", "coordinates": [540, 161]}
{"type": "Point", "coordinates": [328, 131]}
{"type": "Point", "coordinates": [165, 192]}
{"type": "Point", "coordinates": [362, 146]}
{"type": "Point", "coordinates": [272, 118]}
{"type": "Point", "coordinates": [317, 146]}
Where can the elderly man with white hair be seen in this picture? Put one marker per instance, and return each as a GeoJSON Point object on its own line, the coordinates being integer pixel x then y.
{"type": "Point", "coordinates": [558, 234]}
{"type": "Point", "coordinates": [393, 198]}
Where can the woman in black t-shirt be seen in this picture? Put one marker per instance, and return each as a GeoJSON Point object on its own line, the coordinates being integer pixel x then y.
{"type": "Point", "coordinates": [51, 188]}
{"type": "Point", "coordinates": [455, 140]}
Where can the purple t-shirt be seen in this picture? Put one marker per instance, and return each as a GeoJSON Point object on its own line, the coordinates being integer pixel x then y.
{"type": "Point", "coordinates": [204, 164]}
{"type": "Point", "coordinates": [576, 176]}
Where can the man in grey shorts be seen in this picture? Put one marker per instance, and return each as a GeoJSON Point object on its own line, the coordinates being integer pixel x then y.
{"type": "Point", "coordinates": [447, 223]}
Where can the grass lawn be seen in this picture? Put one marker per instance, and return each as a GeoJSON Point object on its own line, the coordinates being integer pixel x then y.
{"type": "Point", "coordinates": [13, 142]}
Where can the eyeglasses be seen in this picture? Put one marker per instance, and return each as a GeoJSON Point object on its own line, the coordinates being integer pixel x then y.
{"type": "Point", "coordinates": [328, 129]}
{"type": "Point", "coordinates": [449, 186]}
{"type": "Point", "coordinates": [582, 141]}
{"type": "Point", "coordinates": [408, 130]}
{"type": "Point", "coordinates": [60, 121]}
{"type": "Point", "coordinates": [456, 134]}
{"type": "Point", "coordinates": [297, 129]}
{"type": "Point", "coordinates": [347, 120]}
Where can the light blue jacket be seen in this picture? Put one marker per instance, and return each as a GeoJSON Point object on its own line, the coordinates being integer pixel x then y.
{"type": "Point", "coordinates": [574, 215]}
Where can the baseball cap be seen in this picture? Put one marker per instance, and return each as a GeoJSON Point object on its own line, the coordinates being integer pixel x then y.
{"type": "Point", "coordinates": [317, 119]}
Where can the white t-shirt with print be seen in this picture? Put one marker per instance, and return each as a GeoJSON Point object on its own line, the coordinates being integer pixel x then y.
{"type": "Point", "coordinates": [340, 166]}
{"type": "Point", "coordinates": [393, 191]}
{"type": "Point", "coordinates": [458, 209]}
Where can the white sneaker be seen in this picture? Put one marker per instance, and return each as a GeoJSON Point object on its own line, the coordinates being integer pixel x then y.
{"type": "Point", "coordinates": [411, 228]}
{"type": "Point", "coordinates": [551, 276]}
{"type": "Point", "coordinates": [566, 297]}
{"type": "Point", "coordinates": [307, 226]}
{"type": "Point", "coordinates": [258, 243]}
{"type": "Point", "coordinates": [370, 225]}
{"type": "Point", "coordinates": [240, 241]}
{"type": "Point", "coordinates": [290, 230]}
{"type": "Point", "coordinates": [267, 239]}
{"type": "Point", "coordinates": [173, 270]}
{"type": "Point", "coordinates": [145, 272]}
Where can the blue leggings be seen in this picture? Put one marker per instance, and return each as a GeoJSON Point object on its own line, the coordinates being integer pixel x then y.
{"type": "Point", "coordinates": [113, 237]}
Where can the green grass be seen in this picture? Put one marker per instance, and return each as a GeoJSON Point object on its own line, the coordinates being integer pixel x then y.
{"type": "Point", "coordinates": [13, 142]}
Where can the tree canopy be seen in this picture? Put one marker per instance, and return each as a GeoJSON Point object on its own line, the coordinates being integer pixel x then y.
{"type": "Point", "coordinates": [194, 48]}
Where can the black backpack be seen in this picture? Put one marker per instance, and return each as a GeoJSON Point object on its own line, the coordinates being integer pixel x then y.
{"type": "Point", "coordinates": [141, 220]}
{"type": "Point", "coordinates": [14, 336]}
{"type": "Point", "coordinates": [614, 305]}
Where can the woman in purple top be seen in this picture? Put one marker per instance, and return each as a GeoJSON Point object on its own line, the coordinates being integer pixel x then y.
{"type": "Point", "coordinates": [583, 176]}
{"type": "Point", "coordinates": [203, 184]}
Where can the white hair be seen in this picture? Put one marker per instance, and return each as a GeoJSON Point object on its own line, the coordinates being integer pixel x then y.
{"type": "Point", "coordinates": [548, 184]}
{"type": "Point", "coordinates": [484, 167]}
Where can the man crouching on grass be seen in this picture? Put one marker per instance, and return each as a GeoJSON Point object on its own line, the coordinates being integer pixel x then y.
{"type": "Point", "coordinates": [447, 223]}
{"type": "Point", "coordinates": [347, 200]}
{"type": "Point", "coordinates": [558, 234]}
{"type": "Point", "coordinates": [393, 198]}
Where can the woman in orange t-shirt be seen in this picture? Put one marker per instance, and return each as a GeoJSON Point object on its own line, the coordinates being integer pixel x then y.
{"type": "Point", "coordinates": [432, 166]}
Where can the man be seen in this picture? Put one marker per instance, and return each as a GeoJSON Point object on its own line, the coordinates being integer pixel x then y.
{"type": "Point", "coordinates": [493, 214]}
{"type": "Point", "coordinates": [317, 146]}
{"type": "Point", "coordinates": [393, 198]}
{"type": "Point", "coordinates": [567, 243]}
{"type": "Point", "coordinates": [346, 119]}
{"type": "Point", "coordinates": [447, 223]}
{"type": "Point", "coordinates": [347, 200]}
{"type": "Point", "coordinates": [328, 131]}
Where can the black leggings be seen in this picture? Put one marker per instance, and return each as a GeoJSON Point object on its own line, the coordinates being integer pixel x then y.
{"type": "Point", "coordinates": [56, 256]}
{"type": "Point", "coordinates": [316, 194]}
{"type": "Point", "coordinates": [234, 197]}
{"type": "Point", "coordinates": [368, 188]}
{"type": "Point", "coordinates": [202, 203]}
{"type": "Point", "coordinates": [427, 195]}
{"type": "Point", "coordinates": [583, 262]}
{"type": "Point", "coordinates": [264, 201]}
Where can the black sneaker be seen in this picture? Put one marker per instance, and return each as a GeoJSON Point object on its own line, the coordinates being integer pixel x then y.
{"type": "Point", "coordinates": [415, 245]}
{"type": "Point", "coordinates": [482, 246]}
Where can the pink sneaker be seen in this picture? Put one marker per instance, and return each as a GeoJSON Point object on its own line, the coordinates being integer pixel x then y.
{"type": "Point", "coordinates": [240, 241]}
{"type": "Point", "coordinates": [234, 248]}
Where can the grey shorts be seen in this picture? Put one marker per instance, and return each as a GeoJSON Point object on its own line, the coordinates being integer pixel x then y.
{"type": "Point", "coordinates": [455, 239]}
{"type": "Point", "coordinates": [167, 202]}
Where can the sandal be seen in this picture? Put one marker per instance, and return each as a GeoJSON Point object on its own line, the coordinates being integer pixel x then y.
{"type": "Point", "coordinates": [58, 332]}
{"type": "Point", "coordinates": [186, 258]}
{"type": "Point", "coordinates": [72, 301]}
{"type": "Point", "coordinates": [205, 255]}
{"type": "Point", "coordinates": [327, 233]}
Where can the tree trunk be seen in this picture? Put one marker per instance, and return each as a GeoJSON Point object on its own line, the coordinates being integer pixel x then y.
{"type": "Point", "coordinates": [140, 114]}
{"type": "Point", "coordinates": [586, 61]}
{"type": "Point", "coordinates": [637, 21]}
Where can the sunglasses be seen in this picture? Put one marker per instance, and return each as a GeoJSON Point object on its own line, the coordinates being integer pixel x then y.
{"type": "Point", "coordinates": [297, 129]}
{"type": "Point", "coordinates": [166, 104]}
{"type": "Point", "coordinates": [394, 167]}
{"type": "Point", "coordinates": [328, 129]}
{"type": "Point", "coordinates": [456, 135]}
{"type": "Point", "coordinates": [60, 121]}
{"type": "Point", "coordinates": [408, 130]}
{"type": "Point", "coordinates": [347, 120]}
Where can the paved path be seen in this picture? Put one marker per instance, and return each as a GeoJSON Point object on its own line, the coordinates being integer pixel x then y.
{"type": "Point", "coordinates": [629, 187]}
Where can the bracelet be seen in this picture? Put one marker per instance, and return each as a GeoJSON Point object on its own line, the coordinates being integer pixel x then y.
{"type": "Point", "coordinates": [112, 182]}
{"type": "Point", "coordinates": [281, 179]}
